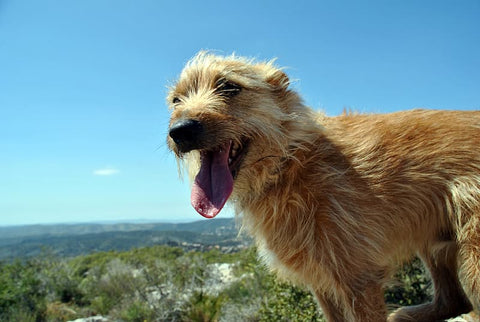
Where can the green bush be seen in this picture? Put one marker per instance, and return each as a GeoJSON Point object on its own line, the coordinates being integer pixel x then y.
{"type": "Point", "coordinates": [114, 286]}
{"type": "Point", "coordinates": [289, 303]}
{"type": "Point", "coordinates": [412, 286]}
{"type": "Point", "coordinates": [57, 311]}
{"type": "Point", "coordinates": [22, 293]}
{"type": "Point", "coordinates": [203, 307]}
{"type": "Point", "coordinates": [137, 311]}
{"type": "Point", "coordinates": [63, 282]}
{"type": "Point", "coordinates": [166, 283]}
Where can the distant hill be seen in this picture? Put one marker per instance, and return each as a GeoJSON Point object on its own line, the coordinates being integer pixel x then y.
{"type": "Point", "coordinates": [203, 226]}
{"type": "Point", "coordinates": [77, 239]}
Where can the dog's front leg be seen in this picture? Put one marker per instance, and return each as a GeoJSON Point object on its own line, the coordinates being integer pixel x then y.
{"type": "Point", "coordinates": [365, 305]}
{"type": "Point", "coordinates": [368, 304]}
{"type": "Point", "coordinates": [330, 309]}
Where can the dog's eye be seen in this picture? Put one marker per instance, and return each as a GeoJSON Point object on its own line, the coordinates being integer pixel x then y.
{"type": "Point", "coordinates": [227, 88]}
{"type": "Point", "coordinates": [175, 100]}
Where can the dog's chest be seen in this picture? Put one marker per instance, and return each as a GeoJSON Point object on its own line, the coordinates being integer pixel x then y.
{"type": "Point", "coordinates": [273, 262]}
{"type": "Point", "coordinates": [284, 268]}
{"type": "Point", "coordinates": [284, 242]}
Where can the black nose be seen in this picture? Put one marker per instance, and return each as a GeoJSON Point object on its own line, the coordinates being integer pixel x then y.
{"type": "Point", "coordinates": [186, 134]}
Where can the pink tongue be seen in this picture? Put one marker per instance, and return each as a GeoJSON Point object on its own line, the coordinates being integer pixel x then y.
{"type": "Point", "coordinates": [213, 183]}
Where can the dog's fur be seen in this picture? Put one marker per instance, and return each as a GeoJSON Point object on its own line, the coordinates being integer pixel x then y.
{"type": "Point", "coordinates": [336, 203]}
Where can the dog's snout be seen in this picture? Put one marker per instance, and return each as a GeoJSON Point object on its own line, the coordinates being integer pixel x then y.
{"type": "Point", "coordinates": [186, 134]}
{"type": "Point", "coordinates": [185, 130]}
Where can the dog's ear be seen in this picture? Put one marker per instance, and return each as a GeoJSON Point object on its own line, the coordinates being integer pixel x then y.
{"type": "Point", "coordinates": [278, 79]}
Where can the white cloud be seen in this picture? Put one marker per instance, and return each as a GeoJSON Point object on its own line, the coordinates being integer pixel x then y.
{"type": "Point", "coordinates": [106, 172]}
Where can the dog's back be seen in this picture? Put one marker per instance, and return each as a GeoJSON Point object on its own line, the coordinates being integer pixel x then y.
{"type": "Point", "coordinates": [384, 187]}
{"type": "Point", "coordinates": [422, 165]}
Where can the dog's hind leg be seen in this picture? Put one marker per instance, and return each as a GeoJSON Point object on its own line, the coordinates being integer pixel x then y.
{"type": "Point", "coordinates": [449, 298]}
{"type": "Point", "coordinates": [469, 260]}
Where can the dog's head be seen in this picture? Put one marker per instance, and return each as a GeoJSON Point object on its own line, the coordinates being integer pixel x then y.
{"type": "Point", "coordinates": [228, 122]}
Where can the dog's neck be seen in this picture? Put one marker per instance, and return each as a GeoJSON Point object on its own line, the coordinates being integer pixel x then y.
{"type": "Point", "coordinates": [288, 165]}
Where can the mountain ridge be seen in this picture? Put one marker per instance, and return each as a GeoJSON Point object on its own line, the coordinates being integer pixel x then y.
{"type": "Point", "coordinates": [95, 227]}
{"type": "Point", "coordinates": [68, 240]}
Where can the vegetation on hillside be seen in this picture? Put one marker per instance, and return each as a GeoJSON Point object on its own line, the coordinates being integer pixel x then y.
{"type": "Point", "coordinates": [162, 283]}
{"type": "Point", "coordinates": [81, 239]}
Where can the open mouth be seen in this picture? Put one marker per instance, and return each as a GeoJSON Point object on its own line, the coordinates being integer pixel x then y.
{"type": "Point", "coordinates": [236, 156]}
{"type": "Point", "coordinates": [213, 184]}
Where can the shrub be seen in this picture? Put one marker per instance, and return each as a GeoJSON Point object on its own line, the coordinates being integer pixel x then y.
{"type": "Point", "coordinates": [412, 286]}
{"type": "Point", "coordinates": [22, 293]}
{"type": "Point", "coordinates": [167, 284]}
{"type": "Point", "coordinates": [289, 303]}
{"type": "Point", "coordinates": [203, 307]}
{"type": "Point", "coordinates": [137, 311]}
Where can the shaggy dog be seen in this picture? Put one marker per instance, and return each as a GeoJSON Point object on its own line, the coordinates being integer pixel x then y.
{"type": "Point", "coordinates": [334, 203]}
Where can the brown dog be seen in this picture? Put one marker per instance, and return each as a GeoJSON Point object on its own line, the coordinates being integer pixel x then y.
{"type": "Point", "coordinates": [334, 203]}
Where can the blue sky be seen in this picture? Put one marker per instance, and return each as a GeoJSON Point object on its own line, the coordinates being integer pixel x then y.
{"type": "Point", "coordinates": [83, 118]}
